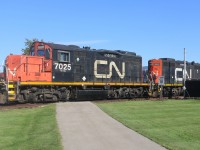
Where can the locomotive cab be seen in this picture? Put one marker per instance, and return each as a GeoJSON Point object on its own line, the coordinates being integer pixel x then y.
{"type": "Point", "coordinates": [43, 50]}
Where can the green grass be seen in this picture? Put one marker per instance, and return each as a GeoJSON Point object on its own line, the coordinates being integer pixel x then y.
{"type": "Point", "coordinates": [175, 124]}
{"type": "Point", "coordinates": [29, 129]}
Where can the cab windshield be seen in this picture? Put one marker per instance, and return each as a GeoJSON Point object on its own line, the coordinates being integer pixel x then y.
{"type": "Point", "coordinates": [40, 52]}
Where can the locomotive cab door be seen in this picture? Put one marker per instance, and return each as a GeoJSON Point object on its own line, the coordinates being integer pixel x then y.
{"type": "Point", "coordinates": [47, 61]}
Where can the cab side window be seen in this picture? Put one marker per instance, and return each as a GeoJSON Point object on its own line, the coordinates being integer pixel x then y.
{"type": "Point", "coordinates": [63, 56]}
{"type": "Point", "coordinates": [47, 53]}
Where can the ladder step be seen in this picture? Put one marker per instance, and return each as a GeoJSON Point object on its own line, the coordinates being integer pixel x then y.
{"type": "Point", "coordinates": [10, 86]}
{"type": "Point", "coordinates": [11, 92]}
{"type": "Point", "coordinates": [11, 98]}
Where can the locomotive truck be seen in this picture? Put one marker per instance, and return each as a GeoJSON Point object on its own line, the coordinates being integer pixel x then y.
{"type": "Point", "coordinates": [53, 72]}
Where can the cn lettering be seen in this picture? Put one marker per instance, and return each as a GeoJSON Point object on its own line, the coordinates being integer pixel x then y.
{"type": "Point", "coordinates": [111, 65]}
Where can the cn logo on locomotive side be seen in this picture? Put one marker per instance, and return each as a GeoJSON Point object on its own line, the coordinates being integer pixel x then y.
{"type": "Point", "coordinates": [111, 65]}
{"type": "Point", "coordinates": [180, 78]}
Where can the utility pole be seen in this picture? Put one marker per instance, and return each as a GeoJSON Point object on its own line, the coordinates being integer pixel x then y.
{"type": "Point", "coordinates": [184, 73]}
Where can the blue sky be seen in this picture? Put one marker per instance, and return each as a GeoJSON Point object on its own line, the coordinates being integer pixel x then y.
{"type": "Point", "coordinates": [151, 28]}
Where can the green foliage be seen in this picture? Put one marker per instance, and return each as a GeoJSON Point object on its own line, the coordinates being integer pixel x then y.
{"type": "Point", "coordinates": [174, 124]}
{"type": "Point", "coordinates": [28, 44]}
{"type": "Point", "coordinates": [29, 129]}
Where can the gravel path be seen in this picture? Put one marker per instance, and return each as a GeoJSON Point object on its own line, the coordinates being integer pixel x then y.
{"type": "Point", "coordinates": [83, 126]}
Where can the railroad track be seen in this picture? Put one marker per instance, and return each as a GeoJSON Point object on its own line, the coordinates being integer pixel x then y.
{"type": "Point", "coordinates": [33, 105]}
{"type": "Point", "coordinates": [20, 106]}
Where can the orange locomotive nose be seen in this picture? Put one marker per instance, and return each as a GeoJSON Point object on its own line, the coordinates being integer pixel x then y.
{"type": "Point", "coordinates": [26, 68]}
{"type": "Point", "coordinates": [155, 69]}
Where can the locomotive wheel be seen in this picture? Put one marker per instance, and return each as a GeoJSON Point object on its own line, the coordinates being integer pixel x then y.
{"type": "Point", "coordinates": [35, 99]}
{"type": "Point", "coordinates": [155, 94]}
{"type": "Point", "coordinates": [131, 96]}
{"type": "Point", "coordinates": [116, 95]}
{"type": "Point", "coordinates": [21, 98]}
{"type": "Point", "coordinates": [3, 98]}
{"type": "Point", "coordinates": [54, 98]}
{"type": "Point", "coordinates": [175, 92]}
{"type": "Point", "coordinates": [67, 96]}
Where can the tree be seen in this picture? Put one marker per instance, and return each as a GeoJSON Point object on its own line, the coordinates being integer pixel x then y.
{"type": "Point", "coordinates": [28, 43]}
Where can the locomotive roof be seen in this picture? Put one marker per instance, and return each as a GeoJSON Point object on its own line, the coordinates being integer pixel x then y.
{"type": "Point", "coordinates": [75, 47]}
{"type": "Point", "coordinates": [63, 47]}
{"type": "Point", "coordinates": [168, 59]}
{"type": "Point", "coordinates": [117, 52]}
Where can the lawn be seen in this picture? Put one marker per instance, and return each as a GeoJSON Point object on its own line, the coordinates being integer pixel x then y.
{"type": "Point", "coordinates": [175, 124]}
{"type": "Point", "coordinates": [29, 128]}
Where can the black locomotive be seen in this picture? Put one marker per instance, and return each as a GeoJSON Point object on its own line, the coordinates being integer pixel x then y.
{"type": "Point", "coordinates": [97, 72]}
{"type": "Point", "coordinates": [173, 73]}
